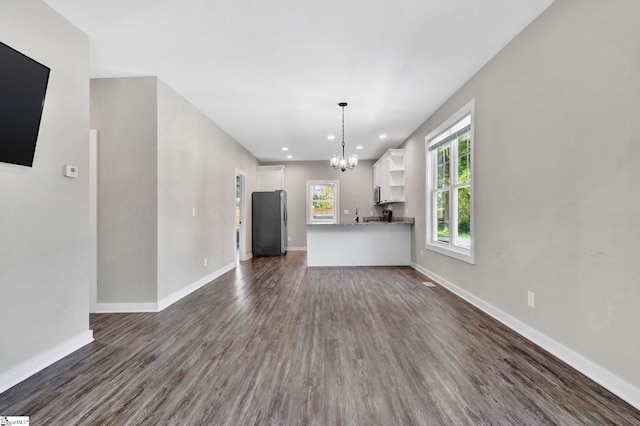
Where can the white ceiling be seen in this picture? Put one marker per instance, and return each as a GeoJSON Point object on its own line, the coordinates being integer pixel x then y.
{"type": "Point", "coordinates": [271, 72]}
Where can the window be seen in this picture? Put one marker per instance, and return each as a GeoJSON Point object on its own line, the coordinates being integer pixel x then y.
{"type": "Point", "coordinates": [449, 151]}
{"type": "Point", "coordinates": [322, 201]}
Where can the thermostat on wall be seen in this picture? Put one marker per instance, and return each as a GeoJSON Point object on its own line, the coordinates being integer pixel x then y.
{"type": "Point", "coordinates": [71, 171]}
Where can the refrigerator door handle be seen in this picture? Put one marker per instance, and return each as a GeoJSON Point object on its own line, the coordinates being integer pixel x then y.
{"type": "Point", "coordinates": [285, 215]}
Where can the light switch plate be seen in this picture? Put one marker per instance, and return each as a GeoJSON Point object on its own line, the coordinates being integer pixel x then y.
{"type": "Point", "coordinates": [530, 299]}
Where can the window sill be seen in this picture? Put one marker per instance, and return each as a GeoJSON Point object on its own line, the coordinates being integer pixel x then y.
{"type": "Point", "coordinates": [459, 254]}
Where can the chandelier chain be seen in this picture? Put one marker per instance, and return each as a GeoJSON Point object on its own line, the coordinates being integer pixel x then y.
{"type": "Point", "coordinates": [342, 130]}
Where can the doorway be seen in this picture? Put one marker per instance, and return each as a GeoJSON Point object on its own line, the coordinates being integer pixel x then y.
{"type": "Point", "coordinates": [240, 222]}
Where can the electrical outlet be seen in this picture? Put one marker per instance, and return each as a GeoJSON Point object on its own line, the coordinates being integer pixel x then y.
{"type": "Point", "coordinates": [205, 261]}
{"type": "Point", "coordinates": [346, 211]}
{"type": "Point", "coordinates": [288, 238]}
{"type": "Point", "coordinates": [193, 211]}
{"type": "Point", "coordinates": [530, 299]}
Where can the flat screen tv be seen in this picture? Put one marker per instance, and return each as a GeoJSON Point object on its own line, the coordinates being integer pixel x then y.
{"type": "Point", "coordinates": [23, 84]}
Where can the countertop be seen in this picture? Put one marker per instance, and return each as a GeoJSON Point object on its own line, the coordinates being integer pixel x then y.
{"type": "Point", "coordinates": [369, 221]}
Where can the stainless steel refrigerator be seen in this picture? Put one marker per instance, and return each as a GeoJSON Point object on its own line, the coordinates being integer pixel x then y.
{"type": "Point", "coordinates": [269, 223]}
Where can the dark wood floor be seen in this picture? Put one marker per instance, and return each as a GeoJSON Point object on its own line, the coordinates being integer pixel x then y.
{"type": "Point", "coordinates": [276, 343]}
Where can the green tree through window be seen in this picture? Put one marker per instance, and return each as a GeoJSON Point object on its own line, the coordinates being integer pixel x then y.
{"type": "Point", "coordinates": [323, 201]}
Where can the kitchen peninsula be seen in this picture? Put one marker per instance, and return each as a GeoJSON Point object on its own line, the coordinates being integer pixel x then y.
{"type": "Point", "coordinates": [367, 243]}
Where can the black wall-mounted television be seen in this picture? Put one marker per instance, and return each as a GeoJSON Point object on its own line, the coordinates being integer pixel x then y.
{"type": "Point", "coordinates": [23, 85]}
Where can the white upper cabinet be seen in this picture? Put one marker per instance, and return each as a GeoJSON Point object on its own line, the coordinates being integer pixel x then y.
{"type": "Point", "coordinates": [389, 175]}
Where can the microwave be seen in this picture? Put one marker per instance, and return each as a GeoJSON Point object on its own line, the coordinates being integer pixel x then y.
{"type": "Point", "coordinates": [376, 195]}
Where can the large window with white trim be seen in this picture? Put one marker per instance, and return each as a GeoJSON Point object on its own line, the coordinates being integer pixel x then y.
{"type": "Point", "coordinates": [450, 153]}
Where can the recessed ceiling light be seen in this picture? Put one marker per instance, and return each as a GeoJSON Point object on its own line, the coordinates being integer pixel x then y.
{"type": "Point", "coordinates": [289, 157]}
{"type": "Point", "coordinates": [331, 137]}
{"type": "Point", "coordinates": [359, 147]}
{"type": "Point", "coordinates": [284, 148]}
{"type": "Point", "coordinates": [383, 136]}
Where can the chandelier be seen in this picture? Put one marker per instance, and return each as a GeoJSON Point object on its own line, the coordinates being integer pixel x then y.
{"type": "Point", "coordinates": [342, 163]}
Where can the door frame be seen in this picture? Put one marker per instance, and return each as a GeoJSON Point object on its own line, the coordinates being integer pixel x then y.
{"type": "Point", "coordinates": [242, 246]}
{"type": "Point", "coordinates": [93, 220]}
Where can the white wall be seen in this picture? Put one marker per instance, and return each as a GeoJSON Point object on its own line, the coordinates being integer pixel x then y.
{"type": "Point", "coordinates": [123, 110]}
{"type": "Point", "coordinates": [557, 159]}
{"type": "Point", "coordinates": [44, 216]}
{"type": "Point", "coordinates": [161, 158]}
{"type": "Point", "coordinates": [196, 169]}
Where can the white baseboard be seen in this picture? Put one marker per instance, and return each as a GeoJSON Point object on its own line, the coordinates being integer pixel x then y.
{"type": "Point", "coordinates": [604, 378]}
{"type": "Point", "coordinates": [121, 308]}
{"type": "Point", "coordinates": [296, 249]}
{"type": "Point", "coordinates": [173, 298]}
{"type": "Point", "coordinates": [30, 367]}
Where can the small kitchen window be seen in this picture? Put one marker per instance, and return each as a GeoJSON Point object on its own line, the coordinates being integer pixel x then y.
{"type": "Point", "coordinates": [322, 201]}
